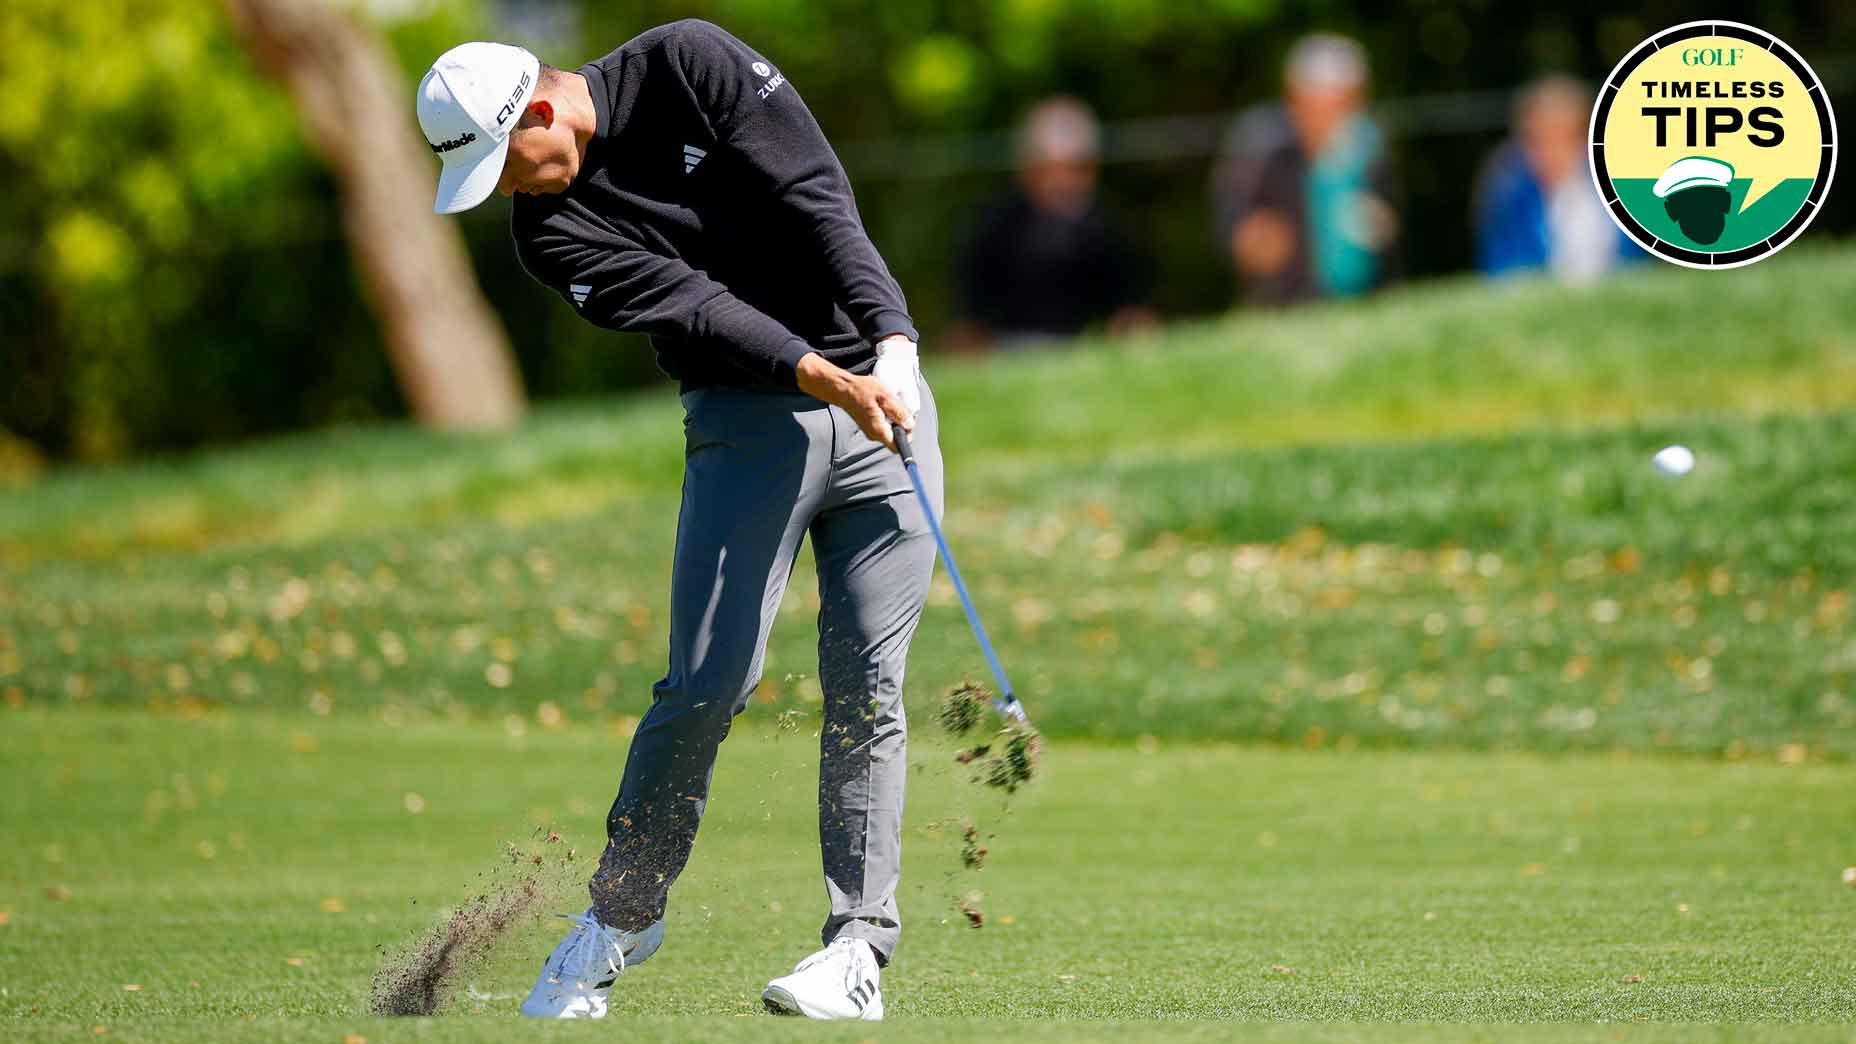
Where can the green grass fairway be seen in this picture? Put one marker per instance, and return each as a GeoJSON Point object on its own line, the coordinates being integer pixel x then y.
{"type": "Point", "coordinates": [1157, 883]}
{"type": "Point", "coordinates": [1393, 695]}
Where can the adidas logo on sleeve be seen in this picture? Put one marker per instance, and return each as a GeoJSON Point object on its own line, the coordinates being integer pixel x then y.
{"type": "Point", "coordinates": [580, 292]}
{"type": "Point", "coordinates": [691, 157]}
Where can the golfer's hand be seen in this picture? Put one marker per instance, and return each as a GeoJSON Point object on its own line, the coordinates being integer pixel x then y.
{"type": "Point", "coordinates": [899, 367]}
{"type": "Point", "coordinates": [873, 406]}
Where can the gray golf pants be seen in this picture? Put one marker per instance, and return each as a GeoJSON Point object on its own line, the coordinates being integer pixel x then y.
{"type": "Point", "coordinates": [761, 471]}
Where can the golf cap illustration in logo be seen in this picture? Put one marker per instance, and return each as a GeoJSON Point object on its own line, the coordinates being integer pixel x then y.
{"type": "Point", "coordinates": [1697, 192]}
{"type": "Point", "coordinates": [468, 103]}
{"type": "Point", "coordinates": [1713, 144]}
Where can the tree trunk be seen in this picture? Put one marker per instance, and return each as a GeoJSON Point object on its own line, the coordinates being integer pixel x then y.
{"type": "Point", "coordinates": [19, 460]}
{"type": "Point", "coordinates": [447, 348]}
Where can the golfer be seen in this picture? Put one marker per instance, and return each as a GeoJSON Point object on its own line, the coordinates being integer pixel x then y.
{"type": "Point", "coordinates": [680, 187]}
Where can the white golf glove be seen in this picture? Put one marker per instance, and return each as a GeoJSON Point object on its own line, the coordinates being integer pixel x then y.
{"type": "Point", "coordinates": [900, 370]}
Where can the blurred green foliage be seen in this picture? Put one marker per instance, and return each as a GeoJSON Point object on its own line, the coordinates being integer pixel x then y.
{"type": "Point", "coordinates": [124, 191]}
{"type": "Point", "coordinates": [958, 65]}
{"type": "Point", "coordinates": [172, 270]}
{"type": "Point", "coordinates": [169, 264]}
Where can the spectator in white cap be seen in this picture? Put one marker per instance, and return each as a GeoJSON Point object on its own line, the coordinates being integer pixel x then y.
{"type": "Point", "coordinates": [1304, 191]}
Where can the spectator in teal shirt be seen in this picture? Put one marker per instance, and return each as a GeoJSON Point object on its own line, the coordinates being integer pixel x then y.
{"type": "Point", "coordinates": [1304, 192]}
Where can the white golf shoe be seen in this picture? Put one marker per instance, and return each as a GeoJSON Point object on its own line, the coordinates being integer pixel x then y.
{"type": "Point", "coordinates": [841, 981]}
{"type": "Point", "coordinates": [578, 975]}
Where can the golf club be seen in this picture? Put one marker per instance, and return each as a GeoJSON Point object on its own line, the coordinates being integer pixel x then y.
{"type": "Point", "coordinates": [1006, 703]}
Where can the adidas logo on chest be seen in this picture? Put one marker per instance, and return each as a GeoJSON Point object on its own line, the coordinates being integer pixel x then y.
{"type": "Point", "coordinates": [692, 156]}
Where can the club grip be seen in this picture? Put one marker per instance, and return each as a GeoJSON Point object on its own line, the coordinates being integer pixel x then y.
{"type": "Point", "coordinates": [902, 444]}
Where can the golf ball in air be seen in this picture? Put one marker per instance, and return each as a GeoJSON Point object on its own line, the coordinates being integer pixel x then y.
{"type": "Point", "coordinates": [1674, 460]}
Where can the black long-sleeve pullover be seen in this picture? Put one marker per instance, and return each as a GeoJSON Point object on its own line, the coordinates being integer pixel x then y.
{"type": "Point", "coordinates": [712, 214]}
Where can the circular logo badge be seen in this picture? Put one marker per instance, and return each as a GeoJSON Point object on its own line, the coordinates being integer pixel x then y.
{"type": "Point", "coordinates": [762, 69]}
{"type": "Point", "coordinates": [1713, 144]}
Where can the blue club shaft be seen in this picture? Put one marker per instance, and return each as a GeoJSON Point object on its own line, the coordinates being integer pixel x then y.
{"type": "Point", "coordinates": [1006, 703]}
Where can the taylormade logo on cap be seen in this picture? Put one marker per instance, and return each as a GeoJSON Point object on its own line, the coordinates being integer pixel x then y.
{"type": "Point", "coordinates": [468, 103]}
{"type": "Point", "coordinates": [454, 143]}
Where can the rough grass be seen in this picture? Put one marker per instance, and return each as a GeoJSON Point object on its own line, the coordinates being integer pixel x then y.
{"type": "Point", "coordinates": [1451, 358]}
{"type": "Point", "coordinates": [1541, 590]}
{"type": "Point", "coordinates": [1424, 519]}
{"type": "Point", "coordinates": [249, 865]}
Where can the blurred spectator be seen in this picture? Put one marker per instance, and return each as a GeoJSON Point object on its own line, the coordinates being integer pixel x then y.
{"type": "Point", "coordinates": [1046, 262]}
{"type": "Point", "coordinates": [1304, 191]}
{"type": "Point", "coordinates": [1535, 208]}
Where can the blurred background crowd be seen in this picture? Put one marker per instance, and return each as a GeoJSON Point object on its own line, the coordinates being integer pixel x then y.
{"type": "Point", "coordinates": [203, 237]}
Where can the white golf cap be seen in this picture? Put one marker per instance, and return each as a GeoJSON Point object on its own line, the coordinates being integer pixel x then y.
{"type": "Point", "coordinates": [1326, 61]}
{"type": "Point", "coordinates": [1693, 172]}
{"type": "Point", "coordinates": [468, 103]}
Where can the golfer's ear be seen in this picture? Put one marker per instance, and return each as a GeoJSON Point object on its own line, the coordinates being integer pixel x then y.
{"type": "Point", "coordinates": [540, 113]}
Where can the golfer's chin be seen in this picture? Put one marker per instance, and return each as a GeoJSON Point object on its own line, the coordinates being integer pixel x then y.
{"type": "Point", "coordinates": [556, 183]}
{"type": "Point", "coordinates": [547, 186]}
